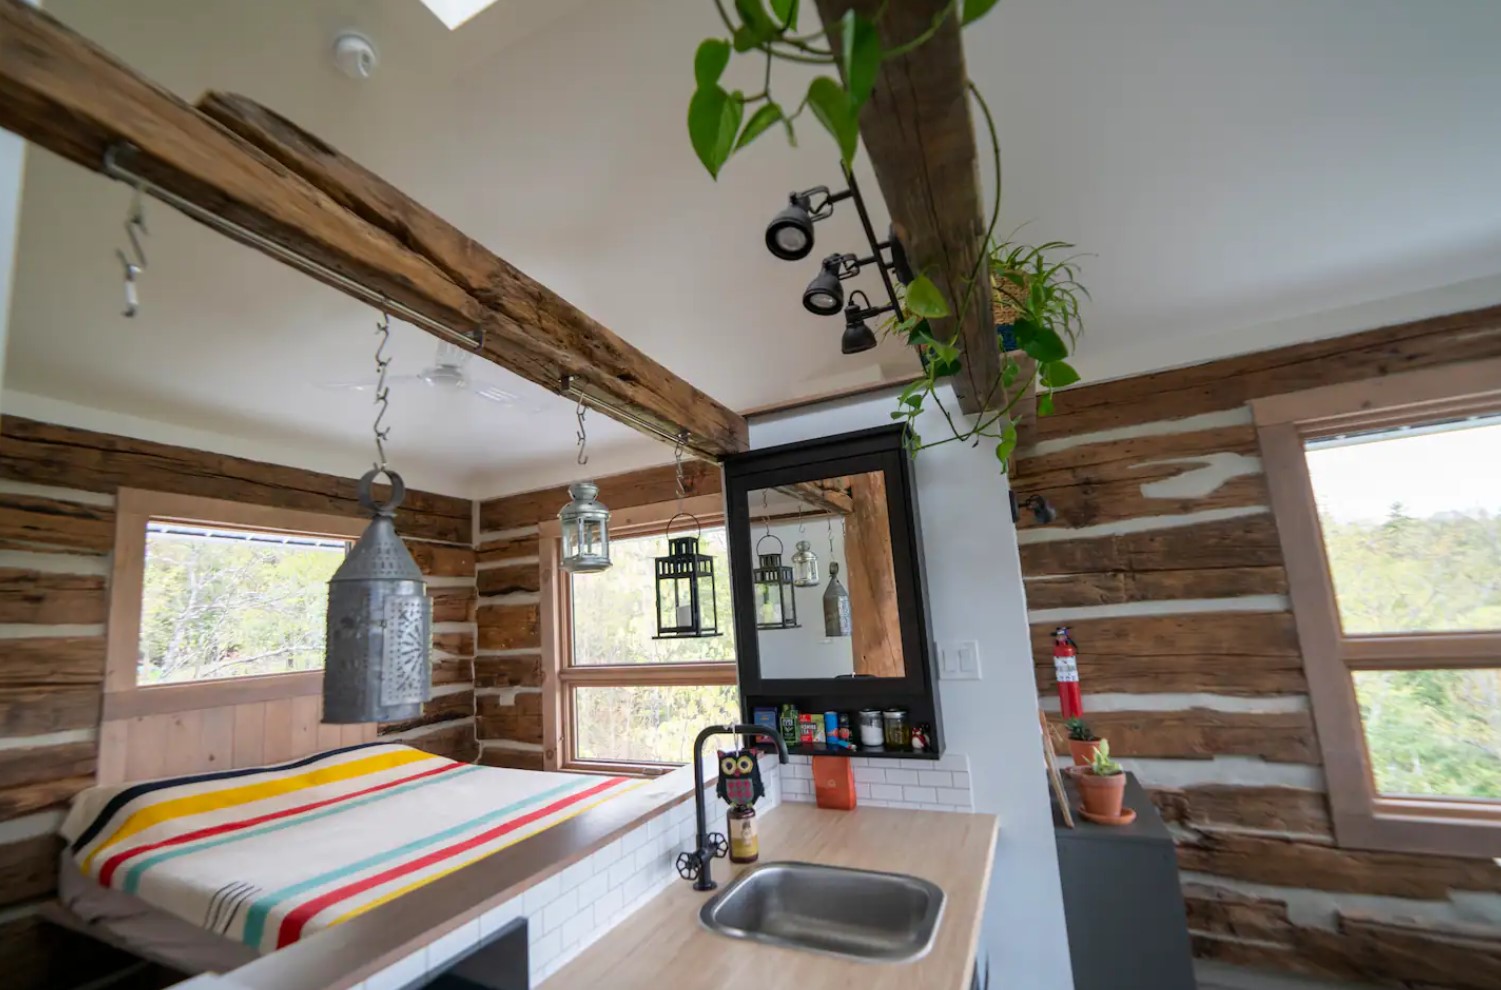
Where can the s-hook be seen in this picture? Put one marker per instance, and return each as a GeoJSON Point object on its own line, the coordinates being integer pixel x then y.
{"type": "Point", "coordinates": [583, 438]}
{"type": "Point", "coordinates": [135, 229]}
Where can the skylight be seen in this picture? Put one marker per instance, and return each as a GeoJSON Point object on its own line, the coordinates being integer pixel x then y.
{"type": "Point", "coordinates": [455, 12]}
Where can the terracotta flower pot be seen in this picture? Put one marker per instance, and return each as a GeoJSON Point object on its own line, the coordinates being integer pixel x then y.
{"type": "Point", "coordinates": [1083, 751]}
{"type": "Point", "coordinates": [1102, 795]}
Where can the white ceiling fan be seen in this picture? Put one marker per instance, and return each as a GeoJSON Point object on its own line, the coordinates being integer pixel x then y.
{"type": "Point", "coordinates": [446, 374]}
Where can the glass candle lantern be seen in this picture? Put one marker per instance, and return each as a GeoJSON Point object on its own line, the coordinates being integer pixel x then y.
{"type": "Point", "coordinates": [685, 592]}
{"type": "Point", "coordinates": [586, 530]}
{"type": "Point", "coordinates": [776, 607]}
{"type": "Point", "coordinates": [804, 565]}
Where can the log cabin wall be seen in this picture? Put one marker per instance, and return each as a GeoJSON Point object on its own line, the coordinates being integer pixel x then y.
{"type": "Point", "coordinates": [508, 669]}
{"type": "Point", "coordinates": [1165, 563]}
{"type": "Point", "coordinates": [57, 528]}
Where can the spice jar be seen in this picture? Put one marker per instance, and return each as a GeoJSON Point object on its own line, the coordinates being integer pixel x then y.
{"type": "Point", "coordinates": [870, 729]}
{"type": "Point", "coordinates": [898, 734]}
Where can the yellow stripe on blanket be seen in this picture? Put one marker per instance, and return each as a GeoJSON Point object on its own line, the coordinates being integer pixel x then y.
{"type": "Point", "coordinates": [197, 804]}
{"type": "Point", "coordinates": [424, 881]}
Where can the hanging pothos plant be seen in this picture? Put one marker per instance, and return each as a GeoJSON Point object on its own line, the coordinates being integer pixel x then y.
{"type": "Point", "coordinates": [1036, 291]}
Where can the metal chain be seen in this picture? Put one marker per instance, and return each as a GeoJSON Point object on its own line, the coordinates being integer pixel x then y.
{"type": "Point", "coordinates": [583, 458]}
{"type": "Point", "coordinates": [677, 458]}
{"type": "Point", "coordinates": [831, 539]}
{"type": "Point", "coordinates": [382, 390]}
{"type": "Point", "coordinates": [766, 510]}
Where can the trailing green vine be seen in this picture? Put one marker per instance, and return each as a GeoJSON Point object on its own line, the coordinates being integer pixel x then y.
{"type": "Point", "coordinates": [1036, 290]}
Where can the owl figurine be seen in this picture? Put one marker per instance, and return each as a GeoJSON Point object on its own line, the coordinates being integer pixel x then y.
{"type": "Point", "coordinates": [740, 778]}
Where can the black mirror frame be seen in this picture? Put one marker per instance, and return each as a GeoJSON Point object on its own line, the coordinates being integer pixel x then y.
{"type": "Point", "coordinates": [880, 449]}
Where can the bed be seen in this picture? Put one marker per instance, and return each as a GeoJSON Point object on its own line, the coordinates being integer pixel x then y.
{"type": "Point", "coordinates": [208, 870]}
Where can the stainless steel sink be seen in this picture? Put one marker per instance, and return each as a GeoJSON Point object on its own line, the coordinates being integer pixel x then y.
{"type": "Point", "coordinates": [858, 914]}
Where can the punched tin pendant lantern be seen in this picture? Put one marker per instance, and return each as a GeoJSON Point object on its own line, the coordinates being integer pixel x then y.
{"type": "Point", "coordinates": [586, 530]}
{"type": "Point", "coordinates": [776, 606]}
{"type": "Point", "coordinates": [804, 565]}
{"type": "Point", "coordinates": [378, 663]}
{"type": "Point", "coordinates": [836, 605]}
{"type": "Point", "coordinates": [685, 590]}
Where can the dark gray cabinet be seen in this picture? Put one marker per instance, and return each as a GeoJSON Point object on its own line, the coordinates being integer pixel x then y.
{"type": "Point", "coordinates": [1126, 926]}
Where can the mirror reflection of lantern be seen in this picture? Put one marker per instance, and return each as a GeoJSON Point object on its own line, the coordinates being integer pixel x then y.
{"type": "Point", "coordinates": [586, 530]}
{"type": "Point", "coordinates": [685, 592]}
{"type": "Point", "coordinates": [776, 607]}
{"type": "Point", "coordinates": [804, 565]}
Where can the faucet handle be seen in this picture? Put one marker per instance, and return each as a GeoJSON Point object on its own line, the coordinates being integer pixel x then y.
{"type": "Point", "coordinates": [689, 865]}
{"type": "Point", "coordinates": [718, 846]}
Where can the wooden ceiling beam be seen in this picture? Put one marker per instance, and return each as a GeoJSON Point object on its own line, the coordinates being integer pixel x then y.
{"type": "Point", "coordinates": [63, 93]}
{"type": "Point", "coordinates": [920, 135]}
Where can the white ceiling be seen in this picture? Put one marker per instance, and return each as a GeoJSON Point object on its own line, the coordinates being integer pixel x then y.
{"type": "Point", "coordinates": [1237, 171]}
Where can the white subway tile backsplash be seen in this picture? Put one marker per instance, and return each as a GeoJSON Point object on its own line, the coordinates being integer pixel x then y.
{"type": "Point", "coordinates": [577, 929]}
{"type": "Point", "coordinates": [576, 874]}
{"type": "Point", "coordinates": [560, 910]}
{"type": "Point", "coordinates": [883, 781]}
{"type": "Point", "coordinates": [498, 917]}
{"type": "Point", "coordinates": [646, 856]}
{"type": "Point", "coordinates": [539, 896]}
{"type": "Point", "coordinates": [443, 950]}
{"type": "Point", "coordinates": [545, 950]}
{"type": "Point", "coordinates": [607, 907]}
{"type": "Point", "coordinates": [592, 889]}
{"type": "Point", "coordinates": [634, 839]}
{"type": "Point", "coordinates": [399, 974]}
{"type": "Point", "coordinates": [621, 871]}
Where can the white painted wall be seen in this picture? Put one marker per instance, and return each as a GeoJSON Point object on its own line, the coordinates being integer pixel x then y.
{"type": "Point", "coordinates": [806, 651]}
{"type": "Point", "coordinates": [975, 591]}
{"type": "Point", "coordinates": [12, 161]}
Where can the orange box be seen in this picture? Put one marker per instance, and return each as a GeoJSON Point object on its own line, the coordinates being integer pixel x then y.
{"type": "Point", "coordinates": [834, 782]}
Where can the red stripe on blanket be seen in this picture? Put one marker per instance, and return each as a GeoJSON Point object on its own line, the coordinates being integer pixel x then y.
{"type": "Point", "coordinates": [120, 859]}
{"type": "Point", "coordinates": [292, 925]}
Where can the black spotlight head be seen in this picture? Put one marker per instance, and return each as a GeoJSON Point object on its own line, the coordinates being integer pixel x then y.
{"type": "Point", "coordinates": [789, 236]}
{"type": "Point", "coordinates": [824, 296]}
{"type": "Point", "coordinates": [857, 336]}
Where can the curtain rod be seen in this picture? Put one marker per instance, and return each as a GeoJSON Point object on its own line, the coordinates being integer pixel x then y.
{"type": "Point", "coordinates": [113, 169]}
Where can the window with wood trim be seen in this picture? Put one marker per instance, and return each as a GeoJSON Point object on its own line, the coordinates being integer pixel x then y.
{"type": "Point", "coordinates": [209, 590]}
{"type": "Point", "coordinates": [1387, 496]}
{"type": "Point", "coordinates": [623, 699]}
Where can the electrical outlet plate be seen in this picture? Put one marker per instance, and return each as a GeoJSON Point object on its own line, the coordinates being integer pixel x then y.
{"type": "Point", "coordinates": [959, 660]}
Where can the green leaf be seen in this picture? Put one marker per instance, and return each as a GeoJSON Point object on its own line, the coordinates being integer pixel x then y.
{"type": "Point", "coordinates": [713, 120]}
{"type": "Point", "coordinates": [862, 55]}
{"type": "Point", "coordinates": [756, 28]}
{"type": "Point", "coordinates": [768, 114]}
{"type": "Point", "coordinates": [924, 299]}
{"type": "Point", "coordinates": [832, 106]}
{"type": "Point", "coordinates": [1045, 404]}
{"type": "Point", "coordinates": [710, 60]}
{"type": "Point", "coordinates": [786, 13]}
{"type": "Point", "coordinates": [1006, 445]}
{"type": "Point", "coordinates": [976, 9]}
{"type": "Point", "coordinates": [1056, 374]}
{"type": "Point", "coordinates": [1043, 344]}
{"type": "Point", "coordinates": [1009, 373]}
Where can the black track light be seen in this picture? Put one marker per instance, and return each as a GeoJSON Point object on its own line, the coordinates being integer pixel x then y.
{"type": "Point", "coordinates": [824, 296]}
{"type": "Point", "coordinates": [857, 334]}
{"type": "Point", "coordinates": [789, 236]}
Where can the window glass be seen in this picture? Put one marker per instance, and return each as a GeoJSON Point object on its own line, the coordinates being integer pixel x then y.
{"type": "Point", "coordinates": [1412, 525]}
{"type": "Point", "coordinates": [1434, 733]}
{"type": "Point", "coordinates": [614, 611]}
{"type": "Point", "coordinates": [220, 603]}
{"type": "Point", "coordinates": [647, 724]}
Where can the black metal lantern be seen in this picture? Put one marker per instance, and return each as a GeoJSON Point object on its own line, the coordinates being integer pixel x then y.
{"type": "Point", "coordinates": [686, 606]}
{"type": "Point", "coordinates": [776, 606]}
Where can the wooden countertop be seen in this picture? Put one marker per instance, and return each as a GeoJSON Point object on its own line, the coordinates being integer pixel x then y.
{"type": "Point", "coordinates": [664, 944]}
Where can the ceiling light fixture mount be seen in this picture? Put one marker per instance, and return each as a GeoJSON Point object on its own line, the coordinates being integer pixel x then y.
{"type": "Point", "coordinates": [789, 236]}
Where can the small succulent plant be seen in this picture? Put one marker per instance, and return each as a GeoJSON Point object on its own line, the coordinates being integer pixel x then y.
{"type": "Point", "coordinates": [1079, 730]}
{"type": "Point", "coordinates": [1103, 765]}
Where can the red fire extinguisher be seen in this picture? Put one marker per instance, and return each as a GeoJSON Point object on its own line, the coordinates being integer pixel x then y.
{"type": "Point", "coordinates": [1066, 670]}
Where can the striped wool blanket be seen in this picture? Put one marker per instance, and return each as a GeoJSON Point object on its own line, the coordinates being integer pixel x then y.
{"type": "Point", "coordinates": [269, 855]}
